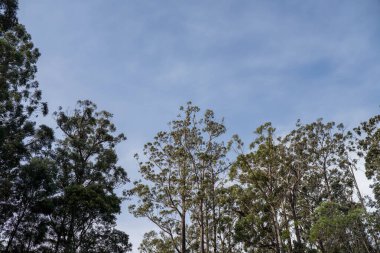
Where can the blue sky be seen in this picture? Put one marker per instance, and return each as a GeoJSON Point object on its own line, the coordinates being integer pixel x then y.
{"type": "Point", "coordinates": [249, 61]}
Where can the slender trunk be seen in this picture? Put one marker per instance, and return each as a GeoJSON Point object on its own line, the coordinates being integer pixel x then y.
{"type": "Point", "coordinates": [321, 247]}
{"type": "Point", "coordinates": [207, 236]}
{"type": "Point", "coordinates": [279, 246]}
{"type": "Point", "coordinates": [29, 245]}
{"type": "Point", "coordinates": [202, 227]}
{"type": "Point", "coordinates": [70, 240]}
{"type": "Point", "coordinates": [57, 243]}
{"type": "Point", "coordinates": [214, 214]}
{"type": "Point", "coordinates": [293, 204]}
{"type": "Point", "coordinates": [59, 235]}
{"type": "Point", "coordinates": [289, 239]}
{"type": "Point", "coordinates": [183, 220]}
{"type": "Point", "coordinates": [183, 233]}
{"type": "Point", "coordinates": [365, 246]}
{"type": "Point", "coordinates": [361, 199]}
{"type": "Point", "coordinates": [326, 179]}
{"type": "Point", "coordinates": [14, 231]}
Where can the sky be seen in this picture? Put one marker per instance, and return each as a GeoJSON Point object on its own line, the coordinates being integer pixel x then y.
{"type": "Point", "coordinates": [251, 61]}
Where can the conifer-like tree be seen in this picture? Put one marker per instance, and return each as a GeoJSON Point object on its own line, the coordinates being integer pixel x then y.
{"type": "Point", "coordinates": [23, 145]}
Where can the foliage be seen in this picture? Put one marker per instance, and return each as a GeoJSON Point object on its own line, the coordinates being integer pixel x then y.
{"type": "Point", "coordinates": [55, 196]}
{"type": "Point", "coordinates": [85, 201]}
{"type": "Point", "coordinates": [291, 193]}
{"type": "Point", "coordinates": [182, 173]}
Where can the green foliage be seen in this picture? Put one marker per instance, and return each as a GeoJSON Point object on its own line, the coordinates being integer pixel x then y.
{"type": "Point", "coordinates": [295, 193]}
{"type": "Point", "coordinates": [369, 146]}
{"type": "Point", "coordinates": [85, 201]}
{"type": "Point", "coordinates": [152, 243]}
{"type": "Point", "coordinates": [26, 175]}
{"type": "Point", "coordinates": [182, 169]}
{"type": "Point", "coordinates": [339, 228]}
{"type": "Point", "coordinates": [52, 199]}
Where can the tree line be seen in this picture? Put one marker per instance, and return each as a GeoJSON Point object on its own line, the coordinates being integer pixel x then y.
{"type": "Point", "coordinates": [291, 193]}
{"type": "Point", "coordinates": [294, 192]}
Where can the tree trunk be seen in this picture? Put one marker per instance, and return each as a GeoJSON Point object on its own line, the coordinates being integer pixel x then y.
{"type": "Point", "coordinates": [293, 204]}
{"type": "Point", "coordinates": [214, 239]}
{"type": "Point", "coordinates": [202, 227]}
{"type": "Point", "coordinates": [279, 245]}
{"type": "Point", "coordinates": [289, 239]}
{"type": "Point", "coordinates": [183, 224]}
{"type": "Point", "coordinates": [14, 231]}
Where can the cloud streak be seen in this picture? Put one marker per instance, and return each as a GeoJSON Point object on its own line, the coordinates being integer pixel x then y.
{"type": "Point", "coordinates": [250, 61]}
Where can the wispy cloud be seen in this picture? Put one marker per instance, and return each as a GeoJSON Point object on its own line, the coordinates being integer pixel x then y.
{"type": "Point", "coordinates": [250, 61]}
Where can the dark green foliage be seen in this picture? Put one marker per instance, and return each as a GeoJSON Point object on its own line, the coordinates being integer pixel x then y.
{"type": "Point", "coordinates": [8, 9]}
{"type": "Point", "coordinates": [26, 227]}
{"type": "Point", "coordinates": [26, 175]}
{"type": "Point", "coordinates": [54, 196]}
{"type": "Point", "coordinates": [85, 202]}
{"type": "Point", "coordinates": [106, 240]}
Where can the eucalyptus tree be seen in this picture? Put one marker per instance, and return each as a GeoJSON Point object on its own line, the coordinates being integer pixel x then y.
{"type": "Point", "coordinates": [209, 164]}
{"type": "Point", "coordinates": [368, 141]}
{"type": "Point", "coordinates": [322, 165]}
{"type": "Point", "coordinates": [369, 148]}
{"type": "Point", "coordinates": [153, 243]}
{"type": "Point", "coordinates": [340, 228]}
{"type": "Point", "coordinates": [283, 185]}
{"type": "Point", "coordinates": [181, 176]}
{"type": "Point", "coordinates": [260, 194]}
{"type": "Point", "coordinates": [319, 170]}
{"type": "Point", "coordinates": [228, 215]}
{"type": "Point", "coordinates": [85, 203]}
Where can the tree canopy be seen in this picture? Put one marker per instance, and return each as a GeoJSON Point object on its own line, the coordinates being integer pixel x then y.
{"type": "Point", "coordinates": [201, 190]}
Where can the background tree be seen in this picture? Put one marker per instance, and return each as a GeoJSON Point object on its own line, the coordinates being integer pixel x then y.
{"type": "Point", "coordinates": [181, 172]}
{"type": "Point", "coordinates": [286, 189]}
{"type": "Point", "coordinates": [327, 175]}
{"type": "Point", "coordinates": [154, 243]}
{"type": "Point", "coordinates": [368, 142]}
{"type": "Point", "coordinates": [339, 228]}
{"type": "Point", "coordinates": [260, 194]}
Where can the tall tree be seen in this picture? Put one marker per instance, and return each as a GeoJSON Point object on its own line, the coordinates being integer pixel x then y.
{"type": "Point", "coordinates": [86, 203]}
{"type": "Point", "coordinates": [181, 174]}
{"type": "Point", "coordinates": [325, 175]}
{"type": "Point", "coordinates": [261, 193]}
{"type": "Point", "coordinates": [286, 188]}
{"type": "Point", "coordinates": [368, 142]}
{"type": "Point", "coordinates": [20, 139]}
{"type": "Point", "coordinates": [154, 243]}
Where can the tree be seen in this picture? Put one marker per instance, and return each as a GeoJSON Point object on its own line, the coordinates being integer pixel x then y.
{"type": "Point", "coordinates": [8, 9]}
{"type": "Point", "coordinates": [340, 228]}
{"type": "Point", "coordinates": [106, 241]}
{"type": "Point", "coordinates": [153, 243]}
{"type": "Point", "coordinates": [282, 184]}
{"type": "Point", "coordinates": [26, 229]}
{"type": "Point", "coordinates": [181, 174]}
{"type": "Point", "coordinates": [20, 139]}
{"type": "Point", "coordinates": [261, 194]}
{"type": "Point", "coordinates": [368, 142]}
{"type": "Point", "coordinates": [85, 202]}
